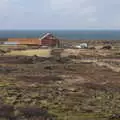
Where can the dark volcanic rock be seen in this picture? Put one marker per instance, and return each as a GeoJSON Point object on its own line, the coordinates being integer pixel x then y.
{"type": "Point", "coordinates": [35, 112]}
{"type": "Point", "coordinates": [6, 111]}
{"type": "Point", "coordinates": [114, 117]}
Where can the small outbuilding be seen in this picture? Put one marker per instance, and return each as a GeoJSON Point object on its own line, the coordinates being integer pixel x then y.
{"type": "Point", "coordinates": [82, 46]}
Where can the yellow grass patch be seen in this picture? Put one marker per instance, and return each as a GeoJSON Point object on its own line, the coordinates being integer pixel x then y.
{"type": "Point", "coordinates": [40, 52]}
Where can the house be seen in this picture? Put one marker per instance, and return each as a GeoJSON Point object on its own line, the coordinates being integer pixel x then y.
{"type": "Point", "coordinates": [48, 40]}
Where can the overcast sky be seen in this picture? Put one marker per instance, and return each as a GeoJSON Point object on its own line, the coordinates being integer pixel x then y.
{"type": "Point", "coordinates": [59, 14]}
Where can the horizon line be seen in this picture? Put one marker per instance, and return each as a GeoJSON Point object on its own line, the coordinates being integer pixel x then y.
{"type": "Point", "coordinates": [64, 29]}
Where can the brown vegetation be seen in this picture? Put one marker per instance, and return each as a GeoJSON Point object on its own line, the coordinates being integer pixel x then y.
{"type": "Point", "coordinates": [73, 86]}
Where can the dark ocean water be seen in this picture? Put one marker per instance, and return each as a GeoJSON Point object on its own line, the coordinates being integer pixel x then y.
{"type": "Point", "coordinates": [64, 34]}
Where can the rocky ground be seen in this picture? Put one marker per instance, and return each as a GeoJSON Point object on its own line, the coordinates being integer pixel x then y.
{"type": "Point", "coordinates": [35, 88]}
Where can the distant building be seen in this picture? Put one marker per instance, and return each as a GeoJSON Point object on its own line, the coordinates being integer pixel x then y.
{"type": "Point", "coordinates": [48, 40]}
{"type": "Point", "coordinates": [24, 41]}
{"type": "Point", "coordinates": [10, 43]}
{"type": "Point", "coordinates": [82, 45]}
{"type": "Point", "coordinates": [2, 40]}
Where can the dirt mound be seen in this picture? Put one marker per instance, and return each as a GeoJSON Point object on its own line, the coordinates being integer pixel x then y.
{"type": "Point", "coordinates": [7, 69]}
{"type": "Point", "coordinates": [92, 48]}
{"type": "Point", "coordinates": [33, 59]}
{"type": "Point", "coordinates": [15, 60]}
{"type": "Point", "coordinates": [107, 47]}
{"type": "Point", "coordinates": [6, 111]}
{"type": "Point", "coordinates": [2, 51]}
{"type": "Point", "coordinates": [114, 117]}
{"type": "Point", "coordinates": [35, 113]}
{"type": "Point", "coordinates": [51, 60]}
{"type": "Point", "coordinates": [24, 113]}
{"type": "Point", "coordinates": [40, 79]}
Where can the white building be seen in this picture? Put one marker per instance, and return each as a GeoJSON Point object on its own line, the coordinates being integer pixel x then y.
{"type": "Point", "coordinates": [82, 45]}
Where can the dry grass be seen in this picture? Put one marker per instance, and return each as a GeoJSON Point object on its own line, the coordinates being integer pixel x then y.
{"type": "Point", "coordinates": [40, 52]}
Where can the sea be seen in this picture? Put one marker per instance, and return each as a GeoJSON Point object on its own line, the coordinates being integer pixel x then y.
{"type": "Point", "coordinates": [64, 34]}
